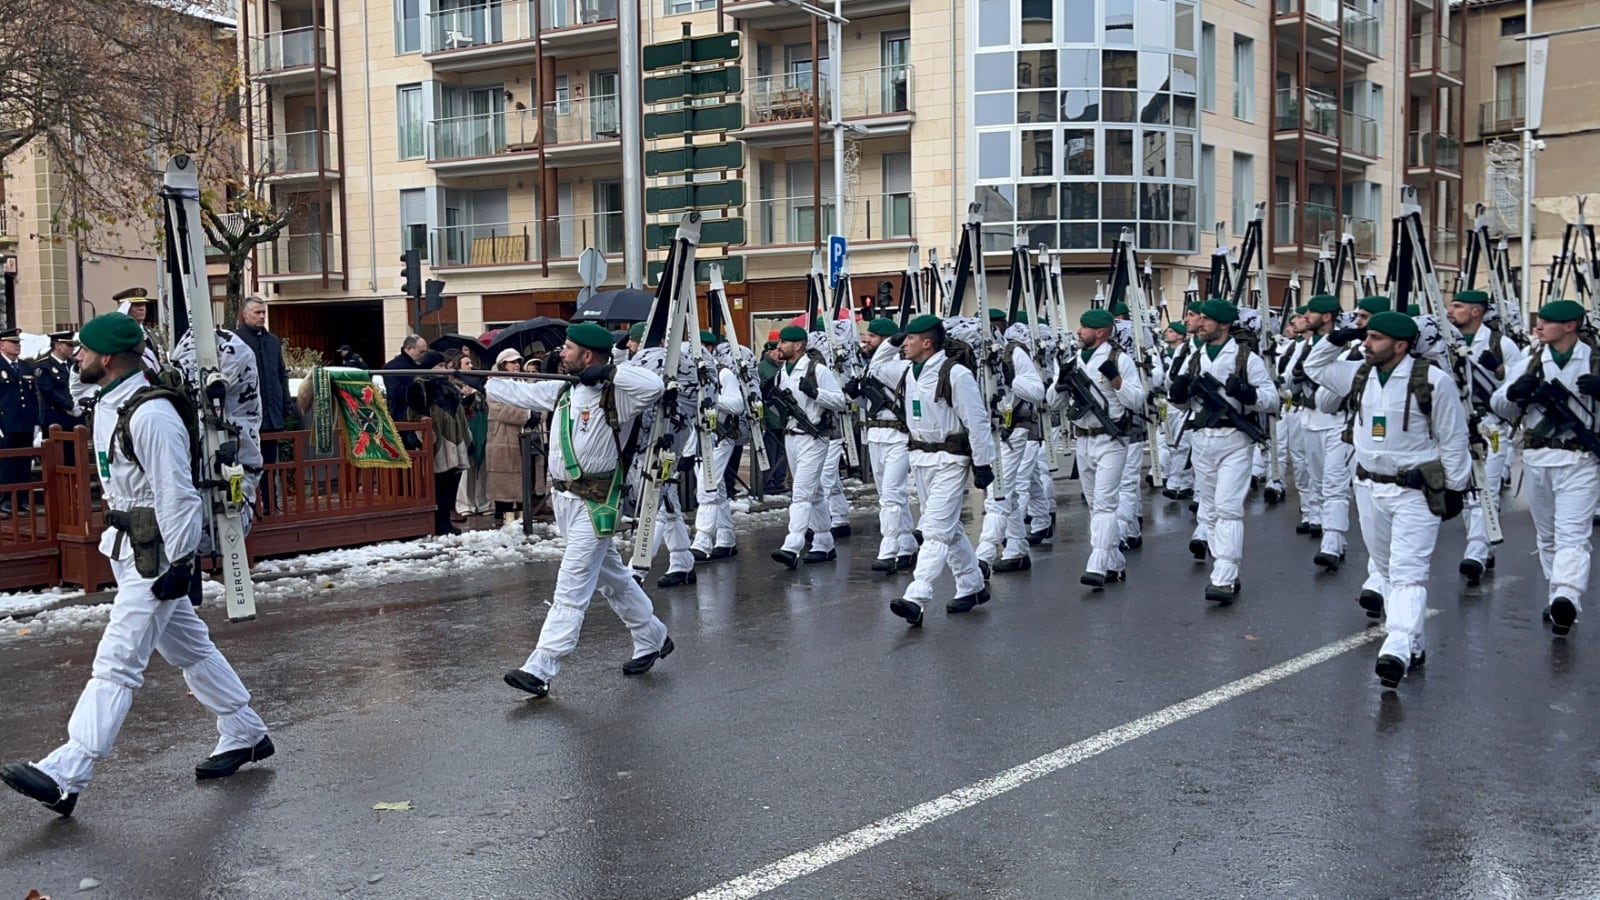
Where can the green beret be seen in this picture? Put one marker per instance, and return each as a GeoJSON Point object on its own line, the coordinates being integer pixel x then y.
{"type": "Point", "coordinates": [1413, 310]}
{"type": "Point", "coordinates": [707, 336]}
{"type": "Point", "coordinates": [1376, 303]}
{"type": "Point", "coordinates": [1178, 327]}
{"type": "Point", "coordinates": [590, 336]}
{"type": "Point", "coordinates": [793, 333]}
{"type": "Point", "coordinates": [1096, 318]}
{"type": "Point", "coordinates": [1394, 324]}
{"type": "Point", "coordinates": [1121, 309]}
{"type": "Point", "coordinates": [1323, 303]}
{"type": "Point", "coordinates": [1302, 309]}
{"type": "Point", "coordinates": [817, 324]}
{"type": "Point", "coordinates": [1554, 311]}
{"type": "Point", "coordinates": [996, 314]}
{"type": "Point", "coordinates": [1022, 317]}
{"type": "Point", "coordinates": [1481, 298]}
{"type": "Point", "coordinates": [1219, 310]}
{"type": "Point", "coordinates": [884, 327]}
{"type": "Point", "coordinates": [112, 333]}
{"type": "Point", "coordinates": [923, 324]}
{"type": "Point", "coordinates": [636, 333]}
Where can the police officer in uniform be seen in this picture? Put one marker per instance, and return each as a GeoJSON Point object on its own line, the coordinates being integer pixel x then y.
{"type": "Point", "coordinates": [52, 377]}
{"type": "Point", "coordinates": [1555, 391]}
{"type": "Point", "coordinates": [135, 301]}
{"type": "Point", "coordinates": [19, 416]}
{"type": "Point", "coordinates": [156, 525]}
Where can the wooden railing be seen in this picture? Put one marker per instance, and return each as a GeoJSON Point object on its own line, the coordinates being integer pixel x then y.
{"type": "Point", "coordinates": [313, 504]}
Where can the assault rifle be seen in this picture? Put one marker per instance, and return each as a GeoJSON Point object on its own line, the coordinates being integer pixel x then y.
{"type": "Point", "coordinates": [788, 409]}
{"type": "Point", "coordinates": [1209, 390]}
{"type": "Point", "coordinates": [1083, 399]}
{"type": "Point", "coordinates": [1556, 416]}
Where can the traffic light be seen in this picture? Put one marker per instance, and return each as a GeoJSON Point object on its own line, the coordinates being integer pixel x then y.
{"type": "Point", "coordinates": [411, 275]}
{"type": "Point", "coordinates": [433, 299]}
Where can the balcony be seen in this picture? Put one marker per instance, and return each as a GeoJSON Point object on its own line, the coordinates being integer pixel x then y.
{"type": "Point", "coordinates": [1366, 233]}
{"type": "Point", "coordinates": [1345, 137]}
{"type": "Point", "coordinates": [771, 14]}
{"type": "Point", "coordinates": [1317, 112]}
{"type": "Point", "coordinates": [583, 131]}
{"type": "Point", "coordinates": [517, 243]}
{"type": "Point", "coordinates": [575, 132]}
{"type": "Point", "coordinates": [578, 27]}
{"type": "Point", "coordinates": [292, 57]}
{"type": "Point", "coordinates": [300, 257]}
{"type": "Point", "coordinates": [479, 37]}
{"type": "Point", "coordinates": [1444, 244]}
{"type": "Point", "coordinates": [1362, 32]}
{"type": "Point", "coordinates": [1499, 117]}
{"type": "Point", "coordinates": [297, 156]}
{"type": "Point", "coordinates": [780, 107]}
{"type": "Point", "coordinates": [1359, 135]}
{"type": "Point", "coordinates": [1446, 61]}
{"type": "Point", "coordinates": [1431, 150]}
{"type": "Point", "coordinates": [1296, 225]}
{"type": "Point", "coordinates": [787, 224]}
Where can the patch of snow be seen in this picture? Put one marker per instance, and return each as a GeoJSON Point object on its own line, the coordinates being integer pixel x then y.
{"type": "Point", "coordinates": [30, 602]}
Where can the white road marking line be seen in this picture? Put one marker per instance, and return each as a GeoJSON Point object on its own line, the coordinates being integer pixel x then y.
{"type": "Point", "coordinates": [806, 862]}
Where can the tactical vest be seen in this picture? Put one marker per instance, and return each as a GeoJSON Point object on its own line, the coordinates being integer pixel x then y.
{"type": "Point", "coordinates": [166, 384]}
{"type": "Point", "coordinates": [1418, 387]}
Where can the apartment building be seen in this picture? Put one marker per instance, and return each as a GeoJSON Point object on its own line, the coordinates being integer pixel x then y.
{"type": "Point", "coordinates": [1496, 100]}
{"type": "Point", "coordinates": [487, 136]}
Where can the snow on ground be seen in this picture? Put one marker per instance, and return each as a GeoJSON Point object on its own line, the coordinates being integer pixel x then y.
{"type": "Point", "coordinates": [29, 602]}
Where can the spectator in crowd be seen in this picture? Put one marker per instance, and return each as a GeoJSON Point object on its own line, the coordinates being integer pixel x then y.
{"type": "Point", "coordinates": [503, 459]}
{"type": "Point", "coordinates": [448, 410]}
{"type": "Point", "coordinates": [473, 498]}
{"type": "Point", "coordinates": [396, 387]}
{"type": "Point", "coordinates": [276, 401]}
{"type": "Point", "coordinates": [350, 359]}
{"type": "Point", "coordinates": [19, 416]}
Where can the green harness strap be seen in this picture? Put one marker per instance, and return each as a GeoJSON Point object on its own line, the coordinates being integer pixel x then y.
{"type": "Point", "coordinates": [603, 515]}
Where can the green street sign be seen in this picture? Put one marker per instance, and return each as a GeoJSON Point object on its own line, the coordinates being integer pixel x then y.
{"type": "Point", "coordinates": [701, 158]}
{"type": "Point", "coordinates": [713, 233]}
{"type": "Point", "coordinates": [694, 120]}
{"type": "Point", "coordinates": [708, 83]}
{"type": "Point", "coordinates": [707, 195]}
{"type": "Point", "coordinates": [710, 48]}
{"type": "Point", "coordinates": [732, 270]}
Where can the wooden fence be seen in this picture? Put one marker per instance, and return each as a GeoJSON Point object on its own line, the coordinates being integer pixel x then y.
{"type": "Point", "coordinates": [303, 504]}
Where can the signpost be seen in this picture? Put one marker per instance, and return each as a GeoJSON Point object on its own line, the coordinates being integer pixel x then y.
{"type": "Point", "coordinates": [838, 250]}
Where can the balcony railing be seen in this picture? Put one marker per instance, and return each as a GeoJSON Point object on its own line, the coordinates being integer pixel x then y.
{"type": "Point", "coordinates": [300, 254]}
{"type": "Point", "coordinates": [297, 48]}
{"type": "Point", "coordinates": [1429, 148]}
{"type": "Point", "coordinates": [297, 151]}
{"type": "Point", "coordinates": [1366, 233]}
{"type": "Point", "coordinates": [568, 13]}
{"type": "Point", "coordinates": [1501, 116]}
{"type": "Point", "coordinates": [513, 243]}
{"type": "Point", "coordinates": [1423, 57]}
{"type": "Point", "coordinates": [1444, 244]}
{"type": "Point", "coordinates": [793, 220]}
{"type": "Point", "coordinates": [885, 90]}
{"type": "Point", "coordinates": [1326, 10]}
{"type": "Point", "coordinates": [1359, 133]}
{"type": "Point", "coordinates": [477, 26]}
{"type": "Point", "coordinates": [593, 118]}
{"type": "Point", "coordinates": [1297, 224]}
{"type": "Point", "coordinates": [1363, 31]}
{"type": "Point", "coordinates": [1319, 112]}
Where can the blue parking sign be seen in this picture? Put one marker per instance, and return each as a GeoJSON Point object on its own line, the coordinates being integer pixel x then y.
{"type": "Point", "coordinates": [837, 248]}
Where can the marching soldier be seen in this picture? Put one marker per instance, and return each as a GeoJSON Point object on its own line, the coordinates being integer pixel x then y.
{"type": "Point", "coordinates": [19, 416]}
{"type": "Point", "coordinates": [833, 498]}
{"type": "Point", "coordinates": [585, 421]}
{"type": "Point", "coordinates": [1553, 391]}
{"type": "Point", "coordinates": [1328, 456]}
{"type": "Point", "coordinates": [807, 398]}
{"type": "Point", "coordinates": [1005, 534]}
{"type": "Point", "coordinates": [713, 520]}
{"type": "Point", "coordinates": [1041, 512]}
{"type": "Point", "coordinates": [948, 425]}
{"type": "Point", "coordinates": [1300, 399]}
{"type": "Point", "coordinates": [672, 529]}
{"type": "Point", "coordinates": [883, 389]}
{"type": "Point", "coordinates": [1489, 356]}
{"type": "Point", "coordinates": [135, 302]}
{"type": "Point", "coordinates": [1100, 390]}
{"type": "Point", "coordinates": [1410, 439]}
{"type": "Point", "coordinates": [155, 529]}
{"type": "Point", "coordinates": [1180, 476]}
{"type": "Point", "coordinates": [1174, 461]}
{"type": "Point", "coordinates": [1226, 389]}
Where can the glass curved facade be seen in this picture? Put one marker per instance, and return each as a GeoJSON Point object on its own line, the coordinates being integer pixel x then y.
{"type": "Point", "coordinates": [1085, 121]}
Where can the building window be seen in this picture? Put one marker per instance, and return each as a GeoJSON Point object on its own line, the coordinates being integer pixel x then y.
{"type": "Point", "coordinates": [1244, 191]}
{"type": "Point", "coordinates": [413, 143]}
{"type": "Point", "coordinates": [1513, 25]}
{"type": "Point", "coordinates": [682, 7]}
{"type": "Point", "coordinates": [407, 26]}
{"type": "Point", "coordinates": [1208, 186]}
{"type": "Point", "coordinates": [1208, 67]}
{"type": "Point", "coordinates": [1244, 78]}
{"type": "Point", "coordinates": [414, 221]}
{"type": "Point", "coordinates": [1510, 93]}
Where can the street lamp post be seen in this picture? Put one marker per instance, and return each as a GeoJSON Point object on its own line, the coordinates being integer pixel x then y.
{"type": "Point", "coordinates": [836, 22]}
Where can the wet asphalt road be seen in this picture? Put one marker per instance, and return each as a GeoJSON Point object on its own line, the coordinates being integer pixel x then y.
{"type": "Point", "coordinates": [797, 709]}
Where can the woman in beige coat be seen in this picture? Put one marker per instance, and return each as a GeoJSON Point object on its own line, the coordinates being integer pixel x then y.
{"type": "Point", "coordinates": [504, 458]}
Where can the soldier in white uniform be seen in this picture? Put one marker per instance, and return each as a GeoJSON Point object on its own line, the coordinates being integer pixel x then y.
{"type": "Point", "coordinates": [587, 424]}
{"type": "Point", "coordinates": [1180, 473]}
{"type": "Point", "coordinates": [1554, 392]}
{"type": "Point", "coordinates": [807, 397]}
{"type": "Point", "coordinates": [672, 528]}
{"type": "Point", "coordinates": [1102, 416]}
{"type": "Point", "coordinates": [1409, 433]}
{"type": "Point", "coordinates": [156, 525]}
{"type": "Point", "coordinates": [1004, 540]}
{"type": "Point", "coordinates": [1240, 390]}
{"type": "Point", "coordinates": [1489, 356]}
{"type": "Point", "coordinates": [1041, 512]}
{"type": "Point", "coordinates": [882, 389]}
{"type": "Point", "coordinates": [949, 432]}
{"type": "Point", "coordinates": [713, 519]}
{"type": "Point", "coordinates": [1299, 395]}
{"type": "Point", "coordinates": [1327, 454]}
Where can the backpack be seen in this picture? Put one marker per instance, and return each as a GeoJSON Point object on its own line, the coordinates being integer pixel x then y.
{"type": "Point", "coordinates": [1417, 386]}
{"type": "Point", "coordinates": [957, 353]}
{"type": "Point", "coordinates": [167, 383]}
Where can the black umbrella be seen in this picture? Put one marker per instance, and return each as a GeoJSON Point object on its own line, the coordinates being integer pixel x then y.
{"type": "Point", "coordinates": [622, 305]}
{"type": "Point", "coordinates": [444, 343]}
{"type": "Point", "coordinates": [541, 333]}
